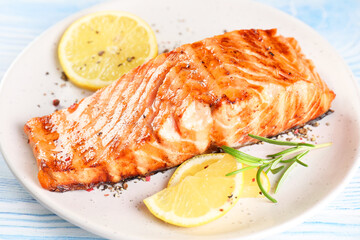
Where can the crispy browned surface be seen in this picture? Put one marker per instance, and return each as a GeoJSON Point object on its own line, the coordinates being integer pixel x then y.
{"type": "Point", "coordinates": [201, 95]}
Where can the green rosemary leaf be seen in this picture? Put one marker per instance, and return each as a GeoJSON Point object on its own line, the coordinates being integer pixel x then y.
{"type": "Point", "coordinates": [288, 170]}
{"type": "Point", "coordinates": [297, 149]}
{"type": "Point", "coordinates": [275, 162]}
{"type": "Point", "coordinates": [298, 157]}
{"type": "Point", "coordinates": [258, 180]}
{"type": "Point", "coordinates": [284, 176]}
{"type": "Point", "coordinates": [287, 151]}
{"type": "Point", "coordinates": [268, 161]}
{"type": "Point", "coordinates": [301, 155]}
{"type": "Point", "coordinates": [302, 163]}
{"type": "Point", "coordinates": [249, 163]}
{"type": "Point", "coordinates": [243, 156]}
{"type": "Point", "coordinates": [289, 160]}
{"type": "Point", "coordinates": [276, 170]}
{"type": "Point", "coordinates": [283, 143]}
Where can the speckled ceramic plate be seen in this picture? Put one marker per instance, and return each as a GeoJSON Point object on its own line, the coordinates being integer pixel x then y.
{"type": "Point", "coordinates": [27, 91]}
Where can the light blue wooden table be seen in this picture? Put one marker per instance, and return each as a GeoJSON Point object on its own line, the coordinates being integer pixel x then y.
{"type": "Point", "coordinates": [22, 217]}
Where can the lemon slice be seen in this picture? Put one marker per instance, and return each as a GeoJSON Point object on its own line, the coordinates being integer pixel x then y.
{"type": "Point", "coordinates": [198, 163]}
{"type": "Point", "coordinates": [100, 47]}
{"type": "Point", "coordinates": [203, 195]}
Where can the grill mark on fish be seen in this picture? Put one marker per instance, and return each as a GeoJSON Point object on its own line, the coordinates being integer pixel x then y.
{"type": "Point", "coordinates": [118, 123]}
{"type": "Point", "coordinates": [115, 96]}
{"type": "Point", "coordinates": [149, 94]}
{"type": "Point", "coordinates": [91, 130]}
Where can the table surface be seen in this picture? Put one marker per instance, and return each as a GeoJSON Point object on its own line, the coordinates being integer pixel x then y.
{"type": "Point", "coordinates": [22, 217]}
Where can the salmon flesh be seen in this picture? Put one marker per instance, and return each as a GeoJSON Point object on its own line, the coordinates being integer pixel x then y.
{"type": "Point", "coordinates": [197, 97]}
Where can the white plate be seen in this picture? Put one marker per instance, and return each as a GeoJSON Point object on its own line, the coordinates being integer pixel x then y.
{"type": "Point", "coordinates": [178, 22]}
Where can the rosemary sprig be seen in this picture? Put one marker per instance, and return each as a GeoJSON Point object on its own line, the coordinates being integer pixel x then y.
{"type": "Point", "coordinates": [271, 163]}
{"type": "Point", "coordinates": [284, 143]}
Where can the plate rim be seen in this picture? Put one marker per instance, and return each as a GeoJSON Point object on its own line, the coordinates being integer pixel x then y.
{"type": "Point", "coordinates": [266, 232]}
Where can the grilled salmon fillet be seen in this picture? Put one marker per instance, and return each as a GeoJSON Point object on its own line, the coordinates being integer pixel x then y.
{"type": "Point", "coordinates": [197, 97]}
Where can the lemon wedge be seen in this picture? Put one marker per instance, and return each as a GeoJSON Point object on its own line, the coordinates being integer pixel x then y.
{"type": "Point", "coordinates": [99, 48]}
{"type": "Point", "coordinates": [198, 163]}
{"type": "Point", "coordinates": [199, 191]}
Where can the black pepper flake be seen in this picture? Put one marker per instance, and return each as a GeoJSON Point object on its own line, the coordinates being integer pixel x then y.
{"type": "Point", "coordinates": [230, 196]}
{"type": "Point", "coordinates": [56, 102]}
{"type": "Point", "coordinates": [289, 73]}
{"type": "Point", "coordinates": [120, 64]}
{"type": "Point", "coordinates": [129, 59]}
{"type": "Point", "coordinates": [97, 32]}
{"type": "Point", "coordinates": [315, 124]}
{"type": "Point", "coordinates": [166, 50]}
{"type": "Point", "coordinates": [187, 65]}
{"type": "Point", "coordinates": [47, 73]}
{"type": "Point", "coordinates": [101, 53]}
{"type": "Point", "coordinates": [38, 105]}
{"type": "Point", "coordinates": [225, 31]}
{"type": "Point", "coordinates": [64, 77]}
{"type": "Point", "coordinates": [260, 193]}
{"type": "Point", "coordinates": [99, 133]}
{"type": "Point", "coordinates": [144, 116]}
{"type": "Point", "coordinates": [271, 54]}
{"type": "Point", "coordinates": [28, 141]}
{"type": "Point", "coordinates": [303, 131]}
